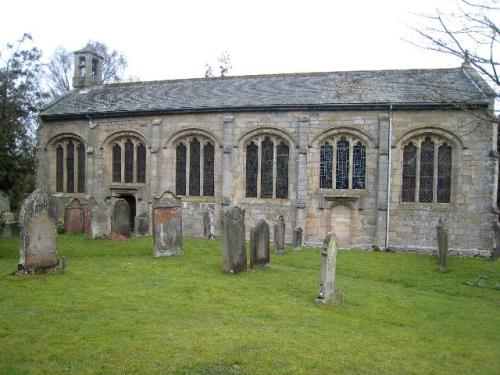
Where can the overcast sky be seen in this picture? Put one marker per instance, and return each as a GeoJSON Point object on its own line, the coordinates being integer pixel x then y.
{"type": "Point", "coordinates": [175, 39]}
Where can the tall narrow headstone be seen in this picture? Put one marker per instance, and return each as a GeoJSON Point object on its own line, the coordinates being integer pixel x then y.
{"type": "Point", "coordinates": [87, 214]}
{"type": "Point", "coordinates": [38, 248]}
{"type": "Point", "coordinates": [142, 224]}
{"type": "Point", "coordinates": [208, 225]}
{"type": "Point", "coordinates": [297, 238]}
{"type": "Point", "coordinates": [120, 216]}
{"type": "Point", "coordinates": [328, 267]}
{"type": "Point", "coordinates": [73, 217]}
{"type": "Point", "coordinates": [259, 244]}
{"type": "Point", "coordinates": [100, 226]}
{"type": "Point", "coordinates": [279, 236]}
{"type": "Point", "coordinates": [234, 257]}
{"type": "Point", "coordinates": [442, 239]}
{"type": "Point", "coordinates": [167, 225]}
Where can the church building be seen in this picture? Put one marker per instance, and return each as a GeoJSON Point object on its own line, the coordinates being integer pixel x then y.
{"type": "Point", "coordinates": [376, 156]}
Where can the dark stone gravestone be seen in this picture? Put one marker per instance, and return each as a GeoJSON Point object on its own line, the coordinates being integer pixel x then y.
{"type": "Point", "coordinates": [100, 226]}
{"type": "Point", "coordinates": [259, 244]}
{"type": "Point", "coordinates": [120, 216]}
{"type": "Point", "coordinates": [279, 236]}
{"type": "Point", "coordinates": [38, 249]}
{"type": "Point", "coordinates": [8, 221]}
{"type": "Point", "coordinates": [209, 225]}
{"type": "Point", "coordinates": [87, 214]}
{"type": "Point", "coordinates": [142, 224]}
{"type": "Point", "coordinates": [73, 217]}
{"type": "Point", "coordinates": [167, 225]}
{"type": "Point", "coordinates": [326, 292]}
{"type": "Point", "coordinates": [496, 250]}
{"type": "Point", "coordinates": [442, 239]}
{"type": "Point", "coordinates": [234, 257]}
{"type": "Point", "coordinates": [297, 238]}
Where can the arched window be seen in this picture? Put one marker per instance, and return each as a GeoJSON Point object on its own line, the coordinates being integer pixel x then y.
{"type": "Point", "coordinates": [194, 168]}
{"type": "Point", "coordinates": [267, 161]}
{"type": "Point", "coordinates": [128, 160]}
{"type": "Point", "coordinates": [427, 167]}
{"type": "Point", "coordinates": [342, 163]}
{"type": "Point", "coordinates": [70, 166]}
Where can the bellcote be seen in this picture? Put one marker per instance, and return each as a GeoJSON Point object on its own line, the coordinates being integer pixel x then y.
{"type": "Point", "coordinates": [88, 68]}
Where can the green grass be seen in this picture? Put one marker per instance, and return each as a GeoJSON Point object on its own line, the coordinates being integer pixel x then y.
{"type": "Point", "coordinates": [119, 310]}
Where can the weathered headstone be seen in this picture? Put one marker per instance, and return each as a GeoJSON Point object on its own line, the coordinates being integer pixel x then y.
{"type": "Point", "coordinates": [234, 257]}
{"type": "Point", "coordinates": [209, 225]}
{"type": "Point", "coordinates": [4, 201]}
{"type": "Point", "coordinates": [120, 216]}
{"type": "Point", "coordinates": [142, 224]}
{"type": "Point", "coordinates": [442, 239]}
{"type": "Point", "coordinates": [279, 236]}
{"type": "Point", "coordinates": [73, 217]}
{"type": "Point", "coordinates": [8, 221]}
{"type": "Point", "coordinates": [38, 249]}
{"type": "Point", "coordinates": [328, 267]}
{"type": "Point", "coordinates": [167, 225]}
{"type": "Point", "coordinates": [100, 226]}
{"type": "Point", "coordinates": [259, 244]}
{"type": "Point", "coordinates": [297, 238]}
{"type": "Point", "coordinates": [87, 214]}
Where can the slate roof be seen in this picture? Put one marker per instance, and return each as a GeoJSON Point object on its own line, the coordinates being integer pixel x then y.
{"type": "Point", "coordinates": [367, 89]}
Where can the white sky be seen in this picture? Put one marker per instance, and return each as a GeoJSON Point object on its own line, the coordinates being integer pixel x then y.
{"type": "Point", "coordinates": [175, 39]}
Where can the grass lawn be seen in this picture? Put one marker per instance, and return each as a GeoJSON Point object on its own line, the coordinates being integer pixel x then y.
{"type": "Point", "coordinates": [119, 310]}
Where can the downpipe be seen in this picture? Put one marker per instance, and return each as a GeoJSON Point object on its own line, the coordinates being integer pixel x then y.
{"type": "Point", "coordinates": [389, 162]}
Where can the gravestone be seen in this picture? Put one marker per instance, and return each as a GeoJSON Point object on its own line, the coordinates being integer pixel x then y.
{"type": "Point", "coordinates": [8, 221]}
{"type": "Point", "coordinates": [209, 225]}
{"type": "Point", "coordinates": [279, 236]}
{"type": "Point", "coordinates": [326, 292]}
{"type": "Point", "coordinates": [496, 250]}
{"type": "Point", "coordinates": [167, 225]}
{"type": "Point", "coordinates": [120, 216]}
{"type": "Point", "coordinates": [73, 217]}
{"type": "Point", "coordinates": [442, 239]}
{"type": "Point", "coordinates": [87, 214]}
{"type": "Point", "coordinates": [4, 201]}
{"type": "Point", "coordinates": [297, 238]}
{"type": "Point", "coordinates": [38, 249]}
{"type": "Point", "coordinates": [234, 257]}
{"type": "Point", "coordinates": [100, 226]}
{"type": "Point", "coordinates": [142, 224]}
{"type": "Point", "coordinates": [259, 244]}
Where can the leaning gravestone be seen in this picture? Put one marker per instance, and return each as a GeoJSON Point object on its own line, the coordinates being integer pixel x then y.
{"type": "Point", "coordinates": [279, 236]}
{"type": "Point", "coordinates": [142, 224]}
{"type": "Point", "coordinates": [208, 225]}
{"type": "Point", "coordinates": [328, 265]}
{"type": "Point", "coordinates": [38, 250]}
{"type": "Point", "coordinates": [442, 239]}
{"type": "Point", "coordinates": [120, 216]}
{"type": "Point", "coordinates": [73, 217]}
{"type": "Point", "coordinates": [297, 238]}
{"type": "Point", "coordinates": [8, 220]}
{"type": "Point", "coordinates": [87, 214]}
{"type": "Point", "coordinates": [100, 226]}
{"type": "Point", "coordinates": [259, 244]}
{"type": "Point", "coordinates": [167, 225]}
{"type": "Point", "coordinates": [234, 257]}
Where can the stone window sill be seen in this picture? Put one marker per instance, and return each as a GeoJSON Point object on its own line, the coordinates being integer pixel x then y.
{"type": "Point", "coordinates": [196, 198]}
{"type": "Point", "coordinates": [422, 205]}
{"type": "Point", "coordinates": [331, 194]}
{"type": "Point", "coordinates": [271, 201]}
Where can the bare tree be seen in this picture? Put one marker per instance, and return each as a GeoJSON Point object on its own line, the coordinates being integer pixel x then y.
{"type": "Point", "coordinates": [60, 67]}
{"type": "Point", "coordinates": [224, 63]}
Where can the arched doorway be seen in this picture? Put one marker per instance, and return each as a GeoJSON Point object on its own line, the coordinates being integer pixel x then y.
{"type": "Point", "coordinates": [132, 204]}
{"type": "Point", "coordinates": [341, 224]}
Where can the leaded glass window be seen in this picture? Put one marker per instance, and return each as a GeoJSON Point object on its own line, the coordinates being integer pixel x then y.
{"type": "Point", "coordinates": [180, 169]}
{"type": "Point", "coordinates": [282, 171]}
{"type": "Point", "coordinates": [251, 170]}
{"type": "Point", "coordinates": [70, 167]}
{"type": "Point", "coordinates": [266, 181]}
{"type": "Point", "coordinates": [426, 171]}
{"type": "Point", "coordinates": [208, 170]}
{"type": "Point", "coordinates": [194, 167]}
{"type": "Point", "coordinates": [342, 170]}
{"type": "Point", "coordinates": [81, 168]}
{"type": "Point", "coordinates": [409, 172]}
{"type": "Point", "coordinates": [325, 166]}
{"type": "Point", "coordinates": [117, 163]}
{"type": "Point", "coordinates": [141, 163]}
{"type": "Point", "coordinates": [59, 168]}
{"type": "Point", "coordinates": [444, 174]}
{"type": "Point", "coordinates": [129, 161]}
{"type": "Point", "coordinates": [358, 166]}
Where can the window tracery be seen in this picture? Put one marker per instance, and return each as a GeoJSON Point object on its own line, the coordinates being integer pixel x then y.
{"type": "Point", "coordinates": [70, 165]}
{"type": "Point", "coordinates": [128, 160]}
